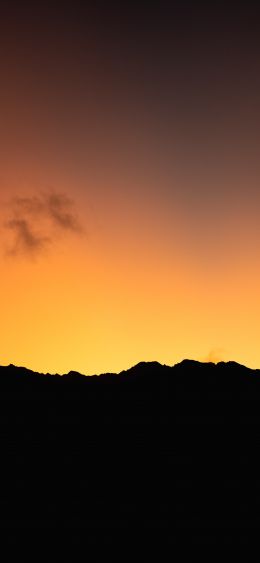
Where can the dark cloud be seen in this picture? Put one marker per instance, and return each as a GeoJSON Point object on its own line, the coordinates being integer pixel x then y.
{"type": "Point", "coordinates": [26, 241]}
{"type": "Point", "coordinates": [37, 221]}
{"type": "Point", "coordinates": [60, 208]}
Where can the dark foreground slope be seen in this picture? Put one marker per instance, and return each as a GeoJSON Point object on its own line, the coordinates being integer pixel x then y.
{"type": "Point", "coordinates": [157, 464]}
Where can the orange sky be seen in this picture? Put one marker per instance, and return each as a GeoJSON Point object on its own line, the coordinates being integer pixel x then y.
{"type": "Point", "coordinates": [121, 292]}
{"type": "Point", "coordinates": [129, 189]}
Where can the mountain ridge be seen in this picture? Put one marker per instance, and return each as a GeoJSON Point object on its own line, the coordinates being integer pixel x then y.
{"type": "Point", "coordinates": [142, 365]}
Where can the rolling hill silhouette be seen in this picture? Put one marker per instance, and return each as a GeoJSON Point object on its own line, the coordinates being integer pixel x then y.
{"type": "Point", "coordinates": [157, 463]}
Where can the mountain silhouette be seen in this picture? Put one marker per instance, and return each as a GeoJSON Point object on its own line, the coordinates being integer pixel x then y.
{"type": "Point", "coordinates": [157, 463]}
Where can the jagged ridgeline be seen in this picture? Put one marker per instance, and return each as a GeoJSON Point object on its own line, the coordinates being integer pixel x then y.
{"type": "Point", "coordinates": [157, 463]}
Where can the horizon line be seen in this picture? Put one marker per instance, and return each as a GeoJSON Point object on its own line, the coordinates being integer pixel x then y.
{"type": "Point", "coordinates": [144, 363]}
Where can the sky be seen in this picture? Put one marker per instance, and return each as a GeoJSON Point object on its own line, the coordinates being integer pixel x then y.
{"type": "Point", "coordinates": [129, 184]}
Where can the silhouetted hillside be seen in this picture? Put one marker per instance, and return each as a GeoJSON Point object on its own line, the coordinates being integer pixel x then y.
{"type": "Point", "coordinates": [154, 464]}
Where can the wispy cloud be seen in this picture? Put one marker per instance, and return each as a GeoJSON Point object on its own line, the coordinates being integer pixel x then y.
{"type": "Point", "coordinates": [35, 222]}
{"type": "Point", "coordinates": [215, 355]}
{"type": "Point", "coordinates": [60, 209]}
{"type": "Point", "coordinates": [25, 241]}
